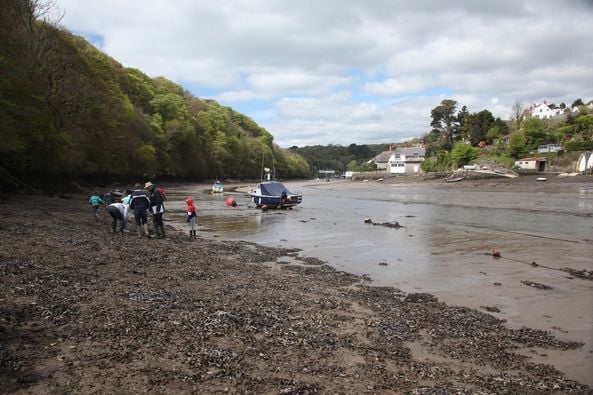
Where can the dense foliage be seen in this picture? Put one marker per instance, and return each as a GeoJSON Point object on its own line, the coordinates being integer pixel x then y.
{"type": "Point", "coordinates": [67, 108]}
{"type": "Point", "coordinates": [339, 158]}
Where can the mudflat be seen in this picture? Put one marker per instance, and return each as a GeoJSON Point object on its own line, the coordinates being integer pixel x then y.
{"type": "Point", "coordinates": [84, 310]}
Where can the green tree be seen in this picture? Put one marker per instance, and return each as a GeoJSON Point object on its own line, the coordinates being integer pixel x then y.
{"type": "Point", "coordinates": [462, 154]}
{"type": "Point", "coordinates": [517, 145]}
{"type": "Point", "coordinates": [444, 119]}
{"type": "Point", "coordinates": [535, 132]}
{"type": "Point", "coordinates": [477, 125]}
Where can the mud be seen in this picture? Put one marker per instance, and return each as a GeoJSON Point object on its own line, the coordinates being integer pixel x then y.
{"type": "Point", "coordinates": [86, 311]}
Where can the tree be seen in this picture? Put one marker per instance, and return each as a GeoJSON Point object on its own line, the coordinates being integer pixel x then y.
{"type": "Point", "coordinates": [463, 153]}
{"type": "Point", "coordinates": [444, 119]}
{"type": "Point", "coordinates": [534, 132]}
{"type": "Point", "coordinates": [517, 114]}
{"type": "Point", "coordinates": [577, 103]}
{"type": "Point", "coordinates": [517, 145]}
{"type": "Point", "coordinates": [461, 115]}
{"type": "Point", "coordinates": [477, 125]}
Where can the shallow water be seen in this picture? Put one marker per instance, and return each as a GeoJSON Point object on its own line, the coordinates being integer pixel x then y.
{"type": "Point", "coordinates": [444, 247]}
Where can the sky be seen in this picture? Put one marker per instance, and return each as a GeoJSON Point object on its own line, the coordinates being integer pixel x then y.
{"type": "Point", "coordinates": [319, 72]}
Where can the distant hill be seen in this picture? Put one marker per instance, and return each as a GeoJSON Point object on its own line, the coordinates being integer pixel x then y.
{"type": "Point", "coordinates": [337, 157]}
{"type": "Point", "coordinates": [68, 109]}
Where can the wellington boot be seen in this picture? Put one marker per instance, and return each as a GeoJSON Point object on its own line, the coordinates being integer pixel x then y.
{"type": "Point", "coordinates": [139, 228]}
{"type": "Point", "coordinates": [146, 231]}
{"type": "Point", "coordinates": [162, 227]}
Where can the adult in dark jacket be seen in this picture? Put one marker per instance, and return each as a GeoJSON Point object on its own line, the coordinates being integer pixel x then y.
{"type": "Point", "coordinates": [157, 208]}
{"type": "Point", "coordinates": [140, 204]}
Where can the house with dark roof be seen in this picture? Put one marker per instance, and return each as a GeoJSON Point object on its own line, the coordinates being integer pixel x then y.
{"type": "Point", "coordinates": [406, 160]}
{"type": "Point", "coordinates": [380, 161]}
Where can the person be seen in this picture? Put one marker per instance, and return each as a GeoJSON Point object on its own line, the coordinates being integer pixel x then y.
{"type": "Point", "coordinates": [95, 201]}
{"type": "Point", "coordinates": [118, 211]}
{"type": "Point", "coordinates": [126, 199]}
{"type": "Point", "coordinates": [140, 203]}
{"type": "Point", "coordinates": [157, 208]}
{"type": "Point", "coordinates": [191, 218]}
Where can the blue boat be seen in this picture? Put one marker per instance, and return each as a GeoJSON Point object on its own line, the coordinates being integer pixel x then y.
{"type": "Point", "coordinates": [273, 194]}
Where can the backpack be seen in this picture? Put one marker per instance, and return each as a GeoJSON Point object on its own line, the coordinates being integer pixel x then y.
{"type": "Point", "coordinates": [163, 194]}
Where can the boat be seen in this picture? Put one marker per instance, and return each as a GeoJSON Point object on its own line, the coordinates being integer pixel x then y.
{"type": "Point", "coordinates": [273, 194]}
{"type": "Point", "coordinates": [217, 187]}
{"type": "Point", "coordinates": [455, 179]}
{"type": "Point", "coordinates": [541, 179]}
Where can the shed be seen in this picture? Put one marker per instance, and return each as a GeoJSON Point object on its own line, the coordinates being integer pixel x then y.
{"type": "Point", "coordinates": [537, 164]}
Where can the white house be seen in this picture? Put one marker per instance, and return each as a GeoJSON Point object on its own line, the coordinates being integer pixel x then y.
{"type": "Point", "coordinates": [589, 105]}
{"type": "Point", "coordinates": [544, 111]}
{"type": "Point", "coordinates": [538, 164]}
{"type": "Point", "coordinates": [549, 148]}
{"type": "Point", "coordinates": [406, 160]}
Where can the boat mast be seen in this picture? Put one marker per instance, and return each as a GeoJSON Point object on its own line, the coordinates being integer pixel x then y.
{"type": "Point", "coordinates": [262, 166]}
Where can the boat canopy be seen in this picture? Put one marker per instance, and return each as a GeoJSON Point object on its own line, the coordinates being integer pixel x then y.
{"type": "Point", "coordinates": [273, 189]}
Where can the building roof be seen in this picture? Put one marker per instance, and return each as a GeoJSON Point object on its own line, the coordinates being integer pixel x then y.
{"type": "Point", "coordinates": [535, 159]}
{"type": "Point", "coordinates": [383, 157]}
{"type": "Point", "coordinates": [409, 151]}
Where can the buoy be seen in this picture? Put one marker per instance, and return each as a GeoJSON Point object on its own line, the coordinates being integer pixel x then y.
{"type": "Point", "coordinates": [496, 252]}
{"type": "Point", "coordinates": [231, 202]}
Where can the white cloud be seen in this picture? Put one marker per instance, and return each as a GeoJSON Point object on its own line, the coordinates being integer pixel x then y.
{"type": "Point", "coordinates": [345, 71]}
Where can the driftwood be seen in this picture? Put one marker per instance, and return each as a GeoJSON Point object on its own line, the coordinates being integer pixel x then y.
{"type": "Point", "coordinates": [392, 224]}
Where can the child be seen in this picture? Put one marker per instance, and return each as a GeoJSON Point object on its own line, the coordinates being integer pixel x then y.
{"type": "Point", "coordinates": [95, 200]}
{"type": "Point", "coordinates": [191, 218]}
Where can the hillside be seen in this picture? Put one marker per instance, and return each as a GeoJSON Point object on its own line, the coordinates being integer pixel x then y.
{"type": "Point", "coordinates": [68, 109]}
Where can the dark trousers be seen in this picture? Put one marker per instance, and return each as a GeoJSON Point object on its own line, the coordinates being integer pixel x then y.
{"type": "Point", "coordinates": [157, 219]}
{"type": "Point", "coordinates": [116, 215]}
{"type": "Point", "coordinates": [140, 216]}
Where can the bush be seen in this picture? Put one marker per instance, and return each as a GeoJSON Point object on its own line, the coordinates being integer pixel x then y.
{"type": "Point", "coordinates": [578, 145]}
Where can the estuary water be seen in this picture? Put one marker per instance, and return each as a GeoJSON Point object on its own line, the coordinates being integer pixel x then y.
{"type": "Point", "coordinates": [444, 246]}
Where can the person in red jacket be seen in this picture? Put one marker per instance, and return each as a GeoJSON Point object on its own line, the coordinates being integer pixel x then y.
{"type": "Point", "coordinates": [191, 218]}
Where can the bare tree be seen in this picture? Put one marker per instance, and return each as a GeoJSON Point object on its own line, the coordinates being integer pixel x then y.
{"type": "Point", "coordinates": [517, 114]}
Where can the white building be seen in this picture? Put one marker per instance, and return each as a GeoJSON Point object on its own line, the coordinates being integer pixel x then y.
{"type": "Point", "coordinates": [589, 105]}
{"type": "Point", "coordinates": [544, 111]}
{"type": "Point", "coordinates": [406, 160]}
{"type": "Point", "coordinates": [549, 148]}
{"type": "Point", "coordinates": [538, 164]}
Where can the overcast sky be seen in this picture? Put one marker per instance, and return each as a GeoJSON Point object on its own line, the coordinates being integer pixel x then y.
{"type": "Point", "coordinates": [346, 71]}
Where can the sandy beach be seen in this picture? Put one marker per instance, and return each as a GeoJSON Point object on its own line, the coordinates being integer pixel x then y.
{"type": "Point", "coordinates": [87, 311]}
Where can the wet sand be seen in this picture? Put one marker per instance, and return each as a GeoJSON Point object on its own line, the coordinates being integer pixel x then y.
{"type": "Point", "coordinates": [86, 311]}
{"type": "Point", "coordinates": [445, 245]}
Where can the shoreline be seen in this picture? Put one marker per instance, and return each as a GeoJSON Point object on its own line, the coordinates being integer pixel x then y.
{"type": "Point", "coordinates": [87, 311]}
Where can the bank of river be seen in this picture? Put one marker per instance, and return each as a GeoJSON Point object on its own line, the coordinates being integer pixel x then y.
{"type": "Point", "coordinates": [85, 311]}
{"type": "Point", "coordinates": [444, 248]}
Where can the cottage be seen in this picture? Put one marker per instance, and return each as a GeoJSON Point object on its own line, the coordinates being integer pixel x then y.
{"type": "Point", "coordinates": [380, 161]}
{"type": "Point", "coordinates": [538, 164]}
{"type": "Point", "coordinates": [406, 160]}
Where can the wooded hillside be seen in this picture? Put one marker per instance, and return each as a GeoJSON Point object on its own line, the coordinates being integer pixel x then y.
{"type": "Point", "coordinates": [68, 109]}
